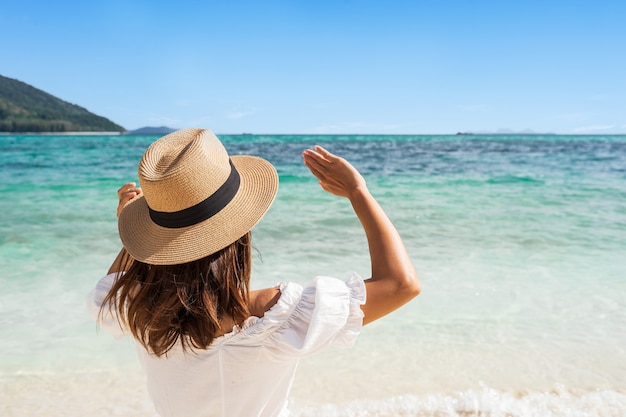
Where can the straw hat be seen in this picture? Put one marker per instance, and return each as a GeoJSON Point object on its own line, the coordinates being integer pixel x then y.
{"type": "Point", "coordinates": [196, 200]}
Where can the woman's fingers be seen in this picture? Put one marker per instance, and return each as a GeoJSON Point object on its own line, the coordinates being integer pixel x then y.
{"type": "Point", "coordinates": [316, 163]}
{"type": "Point", "coordinates": [126, 193]}
{"type": "Point", "coordinates": [314, 166]}
{"type": "Point", "coordinates": [125, 188]}
{"type": "Point", "coordinates": [328, 157]}
{"type": "Point", "coordinates": [315, 155]}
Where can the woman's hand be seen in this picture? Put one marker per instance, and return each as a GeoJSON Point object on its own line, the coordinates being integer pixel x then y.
{"type": "Point", "coordinates": [336, 175]}
{"type": "Point", "coordinates": [125, 194]}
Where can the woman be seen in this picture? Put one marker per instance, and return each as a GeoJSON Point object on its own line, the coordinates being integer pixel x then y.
{"type": "Point", "coordinates": [180, 285]}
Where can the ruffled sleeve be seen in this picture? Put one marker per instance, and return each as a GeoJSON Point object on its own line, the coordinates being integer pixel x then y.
{"type": "Point", "coordinates": [108, 320]}
{"type": "Point", "coordinates": [328, 313]}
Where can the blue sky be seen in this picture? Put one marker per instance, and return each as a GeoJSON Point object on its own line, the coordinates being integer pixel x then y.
{"type": "Point", "coordinates": [341, 66]}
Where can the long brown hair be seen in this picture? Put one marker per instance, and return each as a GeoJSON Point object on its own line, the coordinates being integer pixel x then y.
{"type": "Point", "coordinates": [190, 303]}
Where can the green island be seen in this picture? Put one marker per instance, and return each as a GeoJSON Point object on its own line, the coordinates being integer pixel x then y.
{"type": "Point", "coordinates": [24, 108]}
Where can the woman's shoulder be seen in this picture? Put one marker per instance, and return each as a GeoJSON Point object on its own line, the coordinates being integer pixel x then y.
{"type": "Point", "coordinates": [287, 296]}
{"type": "Point", "coordinates": [263, 300]}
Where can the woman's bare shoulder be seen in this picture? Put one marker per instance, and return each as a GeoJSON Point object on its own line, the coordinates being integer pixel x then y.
{"type": "Point", "coordinates": [262, 300]}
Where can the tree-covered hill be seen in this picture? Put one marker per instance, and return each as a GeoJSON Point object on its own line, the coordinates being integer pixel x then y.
{"type": "Point", "coordinates": [24, 108]}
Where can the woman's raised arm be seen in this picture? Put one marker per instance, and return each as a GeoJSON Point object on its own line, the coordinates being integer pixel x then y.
{"type": "Point", "coordinates": [394, 281]}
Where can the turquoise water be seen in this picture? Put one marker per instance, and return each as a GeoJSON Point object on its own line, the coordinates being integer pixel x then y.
{"type": "Point", "coordinates": [520, 242]}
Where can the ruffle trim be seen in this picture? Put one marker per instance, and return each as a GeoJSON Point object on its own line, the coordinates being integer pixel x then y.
{"type": "Point", "coordinates": [347, 337]}
{"type": "Point", "coordinates": [291, 304]}
{"type": "Point", "coordinates": [290, 294]}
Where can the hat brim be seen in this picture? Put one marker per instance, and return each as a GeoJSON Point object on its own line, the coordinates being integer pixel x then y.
{"type": "Point", "coordinates": [148, 242]}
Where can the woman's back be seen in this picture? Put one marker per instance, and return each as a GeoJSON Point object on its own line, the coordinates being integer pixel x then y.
{"type": "Point", "coordinates": [249, 371]}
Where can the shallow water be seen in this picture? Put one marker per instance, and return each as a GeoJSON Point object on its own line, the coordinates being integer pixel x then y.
{"type": "Point", "coordinates": [520, 243]}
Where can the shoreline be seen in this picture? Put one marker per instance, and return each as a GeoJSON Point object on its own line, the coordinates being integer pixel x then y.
{"type": "Point", "coordinates": [121, 393]}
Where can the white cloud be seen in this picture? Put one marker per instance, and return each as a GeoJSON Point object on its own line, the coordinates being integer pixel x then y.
{"type": "Point", "coordinates": [592, 128]}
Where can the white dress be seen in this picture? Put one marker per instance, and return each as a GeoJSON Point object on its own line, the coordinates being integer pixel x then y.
{"type": "Point", "coordinates": [248, 372]}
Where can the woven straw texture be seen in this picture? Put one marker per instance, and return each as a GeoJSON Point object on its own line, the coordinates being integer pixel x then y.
{"type": "Point", "coordinates": [180, 170]}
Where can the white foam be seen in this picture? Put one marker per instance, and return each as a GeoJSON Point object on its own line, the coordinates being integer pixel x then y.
{"type": "Point", "coordinates": [484, 402]}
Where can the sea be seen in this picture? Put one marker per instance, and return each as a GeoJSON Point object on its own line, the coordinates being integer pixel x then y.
{"type": "Point", "coordinates": [519, 242]}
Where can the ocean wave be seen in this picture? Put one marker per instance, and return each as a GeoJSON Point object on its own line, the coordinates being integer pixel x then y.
{"type": "Point", "coordinates": [515, 179]}
{"type": "Point", "coordinates": [483, 402]}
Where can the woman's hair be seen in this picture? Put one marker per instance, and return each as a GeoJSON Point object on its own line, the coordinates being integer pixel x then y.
{"type": "Point", "coordinates": [190, 303]}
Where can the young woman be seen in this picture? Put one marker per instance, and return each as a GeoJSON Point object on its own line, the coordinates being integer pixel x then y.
{"type": "Point", "coordinates": [180, 285]}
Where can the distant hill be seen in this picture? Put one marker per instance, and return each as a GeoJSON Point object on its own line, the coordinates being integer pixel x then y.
{"type": "Point", "coordinates": [24, 108]}
{"type": "Point", "coordinates": [148, 130]}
